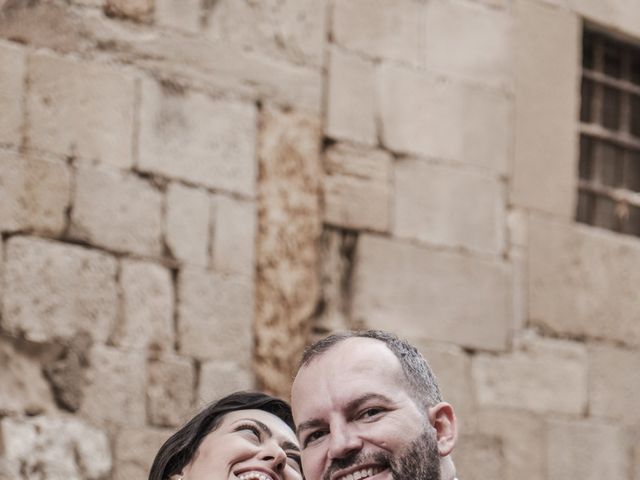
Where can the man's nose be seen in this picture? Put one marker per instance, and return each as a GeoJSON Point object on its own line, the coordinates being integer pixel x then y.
{"type": "Point", "coordinates": [343, 441]}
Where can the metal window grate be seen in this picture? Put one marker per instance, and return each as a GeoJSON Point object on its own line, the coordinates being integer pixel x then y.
{"type": "Point", "coordinates": [609, 167]}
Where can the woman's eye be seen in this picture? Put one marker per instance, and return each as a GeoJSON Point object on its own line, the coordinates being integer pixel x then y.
{"type": "Point", "coordinates": [294, 462]}
{"type": "Point", "coordinates": [249, 428]}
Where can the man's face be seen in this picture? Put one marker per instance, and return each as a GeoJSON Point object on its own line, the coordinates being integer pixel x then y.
{"type": "Point", "coordinates": [356, 419]}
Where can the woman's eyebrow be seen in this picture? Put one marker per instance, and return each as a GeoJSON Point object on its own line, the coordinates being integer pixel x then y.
{"type": "Point", "coordinates": [286, 445]}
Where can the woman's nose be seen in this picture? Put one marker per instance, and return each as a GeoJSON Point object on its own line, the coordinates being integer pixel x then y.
{"type": "Point", "coordinates": [275, 456]}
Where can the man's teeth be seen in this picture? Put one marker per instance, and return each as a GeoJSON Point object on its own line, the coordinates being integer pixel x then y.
{"type": "Point", "coordinates": [254, 476]}
{"type": "Point", "coordinates": [364, 473]}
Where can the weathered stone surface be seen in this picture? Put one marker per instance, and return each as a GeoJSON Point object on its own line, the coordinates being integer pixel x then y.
{"type": "Point", "coordinates": [429, 206]}
{"type": "Point", "coordinates": [215, 315]}
{"type": "Point", "coordinates": [117, 211]}
{"type": "Point", "coordinates": [187, 223]}
{"type": "Point", "coordinates": [357, 188]}
{"type": "Point", "coordinates": [214, 139]}
{"type": "Point", "coordinates": [80, 110]}
{"type": "Point", "coordinates": [389, 29]}
{"type": "Point", "coordinates": [51, 447]}
{"type": "Point", "coordinates": [617, 14]}
{"type": "Point", "coordinates": [479, 458]}
{"type": "Point", "coordinates": [219, 378]}
{"type": "Point", "coordinates": [545, 118]}
{"type": "Point", "coordinates": [289, 225]}
{"type": "Point", "coordinates": [468, 40]}
{"type": "Point", "coordinates": [291, 30]}
{"type": "Point", "coordinates": [424, 115]}
{"type": "Point", "coordinates": [138, 10]}
{"type": "Point", "coordinates": [12, 75]}
{"type": "Point", "coordinates": [582, 281]}
{"type": "Point", "coordinates": [234, 236]}
{"type": "Point", "coordinates": [614, 384]}
{"type": "Point", "coordinates": [54, 290]}
{"type": "Point", "coordinates": [147, 294]}
{"type": "Point", "coordinates": [541, 376]}
{"type": "Point", "coordinates": [135, 449]}
{"type": "Point", "coordinates": [179, 14]}
{"type": "Point", "coordinates": [23, 389]}
{"type": "Point", "coordinates": [588, 450]}
{"type": "Point", "coordinates": [351, 99]}
{"type": "Point", "coordinates": [34, 194]}
{"type": "Point", "coordinates": [416, 292]}
{"type": "Point", "coordinates": [115, 392]}
{"type": "Point", "coordinates": [170, 390]}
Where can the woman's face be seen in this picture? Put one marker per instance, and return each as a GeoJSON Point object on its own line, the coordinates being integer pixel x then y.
{"type": "Point", "coordinates": [247, 445]}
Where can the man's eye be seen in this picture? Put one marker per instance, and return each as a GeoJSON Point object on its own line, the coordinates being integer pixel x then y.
{"type": "Point", "coordinates": [312, 437]}
{"type": "Point", "coordinates": [371, 412]}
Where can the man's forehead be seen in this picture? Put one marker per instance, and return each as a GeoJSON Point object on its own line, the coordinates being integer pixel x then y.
{"type": "Point", "coordinates": [354, 351]}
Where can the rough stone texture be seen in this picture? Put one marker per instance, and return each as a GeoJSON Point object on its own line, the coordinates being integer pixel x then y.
{"type": "Point", "coordinates": [351, 101]}
{"type": "Point", "coordinates": [289, 220]}
{"type": "Point", "coordinates": [479, 458]}
{"type": "Point", "coordinates": [582, 281]}
{"type": "Point", "coordinates": [117, 211]}
{"type": "Point", "coordinates": [50, 447]}
{"type": "Point", "coordinates": [34, 194]}
{"type": "Point", "coordinates": [357, 188]}
{"type": "Point", "coordinates": [12, 73]}
{"type": "Point", "coordinates": [115, 392]}
{"type": "Point", "coordinates": [389, 29]}
{"type": "Point", "coordinates": [147, 307]}
{"type": "Point", "coordinates": [214, 139]}
{"type": "Point", "coordinates": [465, 124]}
{"type": "Point", "coordinates": [586, 450]}
{"type": "Point", "coordinates": [544, 172]}
{"type": "Point", "coordinates": [187, 224]}
{"type": "Point", "coordinates": [614, 384]}
{"type": "Point", "coordinates": [215, 315]}
{"type": "Point", "coordinates": [135, 449]}
{"type": "Point", "coordinates": [541, 376]}
{"type": "Point", "coordinates": [179, 14]}
{"type": "Point", "coordinates": [54, 290]}
{"type": "Point", "coordinates": [292, 30]}
{"type": "Point", "coordinates": [80, 110]}
{"type": "Point", "coordinates": [23, 389]}
{"type": "Point", "coordinates": [234, 236]}
{"type": "Point", "coordinates": [416, 291]}
{"type": "Point", "coordinates": [138, 10]}
{"type": "Point", "coordinates": [219, 378]}
{"type": "Point", "coordinates": [169, 390]}
{"type": "Point", "coordinates": [428, 206]}
{"type": "Point", "coordinates": [467, 40]}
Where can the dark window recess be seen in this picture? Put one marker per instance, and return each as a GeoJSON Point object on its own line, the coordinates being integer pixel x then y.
{"type": "Point", "coordinates": [609, 167]}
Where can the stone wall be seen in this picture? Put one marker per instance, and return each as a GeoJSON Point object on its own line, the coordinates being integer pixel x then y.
{"type": "Point", "coordinates": [191, 191]}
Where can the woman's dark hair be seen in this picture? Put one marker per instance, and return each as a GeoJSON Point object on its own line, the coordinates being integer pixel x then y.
{"type": "Point", "coordinates": [180, 448]}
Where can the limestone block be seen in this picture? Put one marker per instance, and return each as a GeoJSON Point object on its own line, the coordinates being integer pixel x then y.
{"type": "Point", "coordinates": [53, 290]}
{"type": "Point", "coordinates": [115, 393]}
{"type": "Point", "coordinates": [187, 223]}
{"type": "Point", "coordinates": [34, 194]}
{"type": "Point", "coordinates": [479, 457]}
{"type": "Point", "coordinates": [544, 169]}
{"type": "Point", "coordinates": [614, 384]}
{"type": "Point", "coordinates": [351, 98]}
{"type": "Point", "coordinates": [541, 376]}
{"type": "Point", "coordinates": [12, 74]}
{"type": "Point", "coordinates": [179, 14]}
{"type": "Point", "coordinates": [424, 115]}
{"type": "Point", "coordinates": [214, 139]}
{"type": "Point", "coordinates": [416, 292]}
{"type": "Point", "coordinates": [583, 281]}
{"type": "Point", "coordinates": [220, 378]}
{"type": "Point", "coordinates": [523, 438]}
{"type": "Point", "coordinates": [215, 315]}
{"type": "Point", "coordinates": [388, 29]}
{"type": "Point", "coordinates": [170, 390]}
{"type": "Point", "coordinates": [137, 10]}
{"type": "Point", "coordinates": [357, 188]}
{"type": "Point", "coordinates": [234, 236]}
{"type": "Point", "coordinates": [147, 294]}
{"type": "Point", "coordinates": [51, 447]}
{"type": "Point", "coordinates": [623, 15]}
{"type": "Point", "coordinates": [448, 206]}
{"type": "Point", "coordinates": [80, 110]}
{"type": "Point", "coordinates": [468, 40]}
{"type": "Point", "coordinates": [289, 30]}
{"type": "Point", "coordinates": [23, 389]}
{"type": "Point", "coordinates": [589, 451]}
{"type": "Point", "coordinates": [134, 451]}
{"type": "Point", "coordinates": [117, 211]}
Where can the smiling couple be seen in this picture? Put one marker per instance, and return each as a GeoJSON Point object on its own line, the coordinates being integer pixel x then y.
{"type": "Point", "coordinates": [365, 404]}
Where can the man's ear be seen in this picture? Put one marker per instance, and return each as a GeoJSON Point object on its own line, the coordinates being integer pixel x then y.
{"type": "Point", "coordinates": [443, 419]}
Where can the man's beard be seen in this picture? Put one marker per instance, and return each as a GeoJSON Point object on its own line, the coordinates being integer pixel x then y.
{"type": "Point", "coordinates": [419, 461]}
